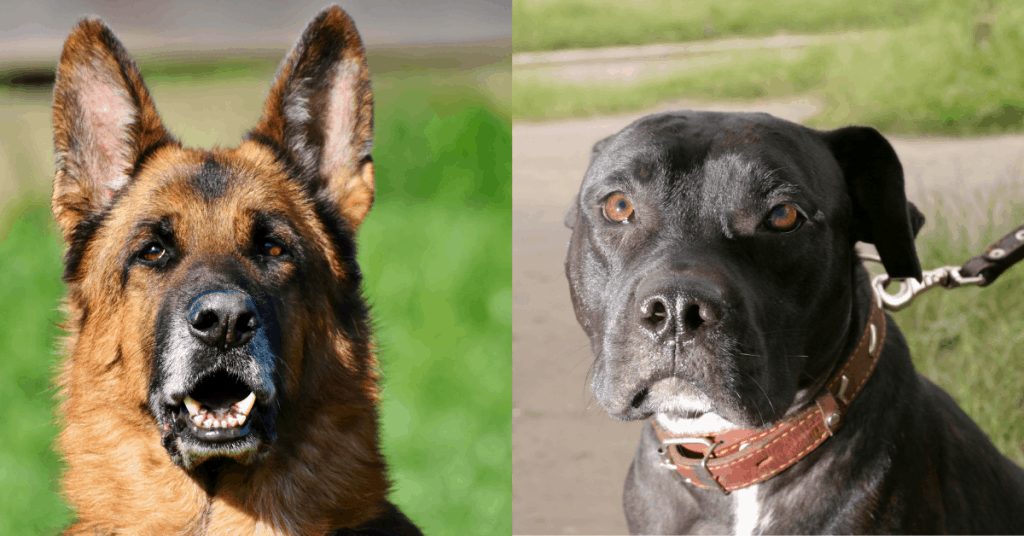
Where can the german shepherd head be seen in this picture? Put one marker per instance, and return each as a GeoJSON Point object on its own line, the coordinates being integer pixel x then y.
{"type": "Point", "coordinates": [219, 375]}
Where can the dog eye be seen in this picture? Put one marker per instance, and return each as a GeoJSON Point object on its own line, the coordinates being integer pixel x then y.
{"type": "Point", "coordinates": [152, 252]}
{"type": "Point", "coordinates": [272, 249]}
{"type": "Point", "coordinates": [783, 218]}
{"type": "Point", "coordinates": [617, 208]}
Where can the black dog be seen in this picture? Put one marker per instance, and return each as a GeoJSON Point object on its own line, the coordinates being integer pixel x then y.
{"type": "Point", "coordinates": [712, 264]}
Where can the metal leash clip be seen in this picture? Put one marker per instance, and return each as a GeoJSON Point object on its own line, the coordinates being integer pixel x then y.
{"type": "Point", "coordinates": [946, 276]}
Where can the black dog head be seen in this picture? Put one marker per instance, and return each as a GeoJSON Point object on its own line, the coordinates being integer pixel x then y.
{"type": "Point", "coordinates": [712, 256]}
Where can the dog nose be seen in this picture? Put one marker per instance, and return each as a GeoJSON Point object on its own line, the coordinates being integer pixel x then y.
{"type": "Point", "coordinates": [222, 319]}
{"type": "Point", "coordinates": [675, 312]}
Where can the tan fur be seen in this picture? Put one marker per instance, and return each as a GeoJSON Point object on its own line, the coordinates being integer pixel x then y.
{"type": "Point", "coordinates": [351, 109]}
{"type": "Point", "coordinates": [91, 73]}
{"type": "Point", "coordinates": [325, 470]}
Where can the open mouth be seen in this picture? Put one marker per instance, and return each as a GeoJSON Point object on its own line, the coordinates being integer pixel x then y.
{"type": "Point", "coordinates": [217, 423]}
{"type": "Point", "coordinates": [220, 407]}
{"type": "Point", "coordinates": [220, 417]}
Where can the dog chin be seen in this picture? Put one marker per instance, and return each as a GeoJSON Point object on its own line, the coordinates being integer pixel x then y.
{"type": "Point", "coordinates": [701, 425]}
{"type": "Point", "coordinates": [244, 450]}
{"type": "Point", "coordinates": [682, 409]}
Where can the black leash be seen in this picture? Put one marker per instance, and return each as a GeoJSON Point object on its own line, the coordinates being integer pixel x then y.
{"type": "Point", "coordinates": [1006, 252]}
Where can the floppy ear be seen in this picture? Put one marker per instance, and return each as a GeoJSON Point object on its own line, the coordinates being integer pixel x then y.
{"type": "Point", "coordinates": [320, 114]}
{"type": "Point", "coordinates": [104, 123]}
{"type": "Point", "coordinates": [881, 214]}
{"type": "Point", "coordinates": [917, 220]}
{"type": "Point", "coordinates": [599, 146]}
{"type": "Point", "coordinates": [570, 217]}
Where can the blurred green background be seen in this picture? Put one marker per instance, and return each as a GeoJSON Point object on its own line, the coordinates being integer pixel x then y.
{"type": "Point", "coordinates": [903, 66]}
{"type": "Point", "coordinates": [435, 251]}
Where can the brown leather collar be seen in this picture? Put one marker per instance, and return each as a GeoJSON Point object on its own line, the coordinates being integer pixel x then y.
{"type": "Point", "coordinates": [736, 459]}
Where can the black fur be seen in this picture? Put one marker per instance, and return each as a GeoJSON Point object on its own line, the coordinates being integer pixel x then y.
{"type": "Point", "coordinates": [212, 180]}
{"type": "Point", "coordinates": [697, 307]}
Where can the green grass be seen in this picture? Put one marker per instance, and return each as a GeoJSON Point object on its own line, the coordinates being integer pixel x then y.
{"type": "Point", "coordinates": [435, 252]}
{"type": "Point", "coordinates": [439, 279]}
{"type": "Point", "coordinates": [30, 288]}
{"type": "Point", "coordinates": [558, 24]}
{"type": "Point", "coordinates": [956, 71]}
{"type": "Point", "coordinates": [740, 75]}
{"type": "Point", "coordinates": [968, 340]}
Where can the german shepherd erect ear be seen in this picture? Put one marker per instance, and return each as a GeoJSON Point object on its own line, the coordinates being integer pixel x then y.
{"type": "Point", "coordinates": [320, 114]}
{"type": "Point", "coordinates": [104, 124]}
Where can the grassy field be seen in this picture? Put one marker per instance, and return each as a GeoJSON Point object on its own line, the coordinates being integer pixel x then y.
{"type": "Point", "coordinates": [435, 251]}
{"type": "Point", "coordinates": [953, 70]}
{"type": "Point", "coordinates": [559, 24]}
{"type": "Point", "coordinates": [968, 340]}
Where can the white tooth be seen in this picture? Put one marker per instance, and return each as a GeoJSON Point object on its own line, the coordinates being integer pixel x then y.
{"type": "Point", "coordinates": [244, 406]}
{"type": "Point", "coordinates": [192, 405]}
{"type": "Point", "coordinates": [232, 421]}
{"type": "Point", "coordinates": [224, 423]}
{"type": "Point", "coordinates": [208, 423]}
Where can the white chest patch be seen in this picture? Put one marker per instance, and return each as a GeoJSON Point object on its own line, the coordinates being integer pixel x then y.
{"type": "Point", "coordinates": [747, 511]}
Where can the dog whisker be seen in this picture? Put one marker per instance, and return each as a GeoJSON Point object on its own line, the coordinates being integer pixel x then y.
{"type": "Point", "coordinates": [766, 397]}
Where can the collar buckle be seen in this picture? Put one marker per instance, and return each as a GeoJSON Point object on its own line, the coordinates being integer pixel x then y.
{"type": "Point", "coordinates": [701, 472]}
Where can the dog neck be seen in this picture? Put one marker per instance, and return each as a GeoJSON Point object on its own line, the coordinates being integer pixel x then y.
{"type": "Point", "coordinates": [858, 310]}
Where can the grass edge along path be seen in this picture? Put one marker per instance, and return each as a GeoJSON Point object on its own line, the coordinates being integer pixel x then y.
{"type": "Point", "coordinates": [540, 25]}
{"type": "Point", "coordinates": [930, 78]}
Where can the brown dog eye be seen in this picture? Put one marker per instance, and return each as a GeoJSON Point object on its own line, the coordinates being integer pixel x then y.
{"type": "Point", "coordinates": [783, 218]}
{"type": "Point", "coordinates": [152, 252]}
{"type": "Point", "coordinates": [271, 249]}
{"type": "Point", "coordinates": [617, 208]}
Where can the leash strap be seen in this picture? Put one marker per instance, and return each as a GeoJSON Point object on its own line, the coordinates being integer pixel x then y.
{"type": "Point", "coordinates": [1006, 252]}
{"type": "Point", "coordinates": [739, 458]}
{"type": "Point", "coordinates": [981, 270]}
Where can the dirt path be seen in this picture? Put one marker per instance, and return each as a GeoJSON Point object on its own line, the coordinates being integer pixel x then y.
{"type": "Point", "coordinates": [569, 458]}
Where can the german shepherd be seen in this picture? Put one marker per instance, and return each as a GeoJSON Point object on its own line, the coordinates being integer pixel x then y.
{"type": "Point", "coordinates": [219, 375]}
